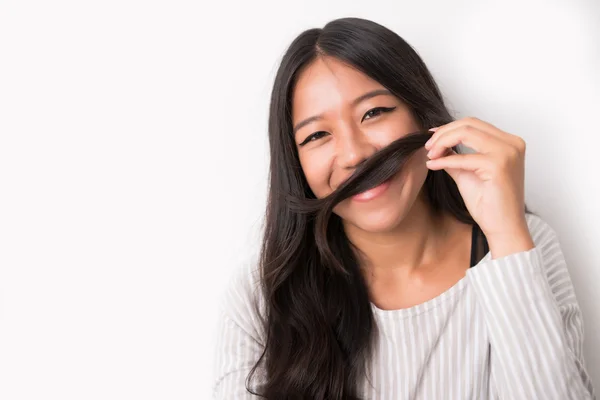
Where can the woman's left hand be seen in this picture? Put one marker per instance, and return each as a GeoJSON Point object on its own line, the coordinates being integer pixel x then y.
{"type": "Point", "coordinates": [491, 181]}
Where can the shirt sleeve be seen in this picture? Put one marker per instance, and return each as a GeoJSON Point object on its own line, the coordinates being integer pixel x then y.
{"type": "Point", "coordinates": [534, 321]}
{"type": "Point", "coordinates": [239, 342]}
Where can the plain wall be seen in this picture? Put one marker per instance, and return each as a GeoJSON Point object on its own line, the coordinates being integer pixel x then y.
{"type": "Point", "coordinates": [133, 164]}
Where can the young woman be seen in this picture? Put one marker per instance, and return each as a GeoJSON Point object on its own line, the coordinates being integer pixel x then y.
{"type": "Point", "coordinates": [433, 284]}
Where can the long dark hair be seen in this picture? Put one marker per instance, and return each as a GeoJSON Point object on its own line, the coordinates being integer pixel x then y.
{"type": "Point", "coordinates": [319, 325]}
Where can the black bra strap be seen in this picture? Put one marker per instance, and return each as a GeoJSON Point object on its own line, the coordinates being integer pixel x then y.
{"type": "Point", "coordinates": [473, 246]}
{"type": "Point", "coordinates": [479, 246]}
{"type": "Point", "coordinates": [486, 248]}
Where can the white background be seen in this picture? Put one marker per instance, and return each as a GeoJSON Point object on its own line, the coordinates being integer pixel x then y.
{"type": "Point", "coordinates": [133, 161]}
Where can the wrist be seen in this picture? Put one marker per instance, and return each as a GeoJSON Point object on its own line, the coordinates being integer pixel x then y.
{"type": "Point", "coordinates": [502, 246]}
{"type": "Point", "coordinates": [513, 241]}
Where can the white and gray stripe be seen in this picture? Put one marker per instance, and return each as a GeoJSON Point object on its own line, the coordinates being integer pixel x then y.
{"type": "Point", "coordinates": [510, 329]}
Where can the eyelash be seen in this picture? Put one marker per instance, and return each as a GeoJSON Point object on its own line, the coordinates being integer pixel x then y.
{"type": "Point", "coordinates": [381, 109]}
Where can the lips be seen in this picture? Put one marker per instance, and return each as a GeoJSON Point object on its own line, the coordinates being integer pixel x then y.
{"type": "Point", "coordinates": [372, 193]}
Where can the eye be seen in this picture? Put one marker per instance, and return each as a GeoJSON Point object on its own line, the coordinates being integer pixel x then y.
{"type": "Point", "coordinates": [376, 111]}
{"type": "Point", "coordinates": [314, 136]}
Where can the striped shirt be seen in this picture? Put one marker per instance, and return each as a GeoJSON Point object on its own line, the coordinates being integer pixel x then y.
{"type": "Point", "coordinates": [511, 328]}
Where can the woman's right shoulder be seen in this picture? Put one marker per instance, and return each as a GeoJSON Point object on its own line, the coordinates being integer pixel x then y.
{"type": "Point", "coordinates": [242, 301]}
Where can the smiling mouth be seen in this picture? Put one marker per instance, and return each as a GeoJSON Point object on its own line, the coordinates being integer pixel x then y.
{"type": "Point", "coordinates": [372, 193]}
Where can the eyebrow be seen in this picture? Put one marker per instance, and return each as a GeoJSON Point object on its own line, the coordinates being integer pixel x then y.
{"type": "Point", "coordinates": [361, 98]}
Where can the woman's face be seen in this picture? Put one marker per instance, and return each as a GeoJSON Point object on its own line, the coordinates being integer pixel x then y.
{"type": "Point", "coordinates": [340, 118]}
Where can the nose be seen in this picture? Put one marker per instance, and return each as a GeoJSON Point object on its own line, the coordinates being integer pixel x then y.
{"type": "Point", "coordinates": [352, 148]}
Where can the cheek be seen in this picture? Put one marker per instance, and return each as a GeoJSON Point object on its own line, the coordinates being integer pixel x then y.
{"type": "Point", "coordinates": [415, 169]}
{"type": "Point", "coordinates": [317, 171]}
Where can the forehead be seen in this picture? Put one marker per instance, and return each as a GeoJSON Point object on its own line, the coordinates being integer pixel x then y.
{"type": "Point", "coordinates": [328, 83]}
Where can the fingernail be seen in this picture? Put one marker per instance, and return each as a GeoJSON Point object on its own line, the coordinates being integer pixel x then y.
{"type": "Point", "coordinates": [434, 129]}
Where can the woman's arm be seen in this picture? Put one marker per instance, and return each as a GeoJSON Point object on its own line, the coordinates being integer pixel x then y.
{"type": "Point", "coordinates": [236, 353]}
{"type": "Point", "coordinates": [239, 341]}
{"type": "Point", "coordinates": [534, 321]}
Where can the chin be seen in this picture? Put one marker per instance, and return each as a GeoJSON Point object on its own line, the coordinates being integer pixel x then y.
{"type": "Point", "coordinates": [380, 219]}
